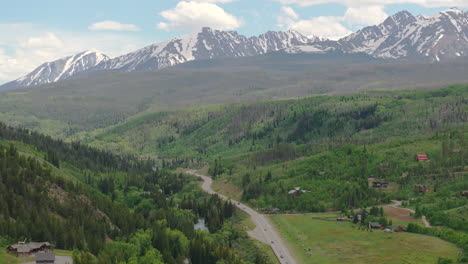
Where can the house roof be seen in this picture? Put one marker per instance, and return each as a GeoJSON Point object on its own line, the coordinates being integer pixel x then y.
{"type": "Point", "coordinates": [25, 248]}
{"type": "Point", "coordinates": [422, 157]}
{"type": "Point", "coordinates": [47, 256]}
{"type": "Point", "coordinates": [394, 227]}
{"type": "Point", "coordinates": [374, 224]}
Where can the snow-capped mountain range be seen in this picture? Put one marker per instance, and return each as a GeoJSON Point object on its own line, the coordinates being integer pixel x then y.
{"type": "Point", "coordinates": [401, 36]}
{"type": "Point", "coordinates": [203, 45]}
{"type": "Point", "coordinates": [61, 69]}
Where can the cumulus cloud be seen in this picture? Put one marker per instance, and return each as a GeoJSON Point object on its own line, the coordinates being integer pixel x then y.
{"type": "Point", "coordinates": [357, 3]}
{"type": "Point", "coordinates": [365, 15]}
{"type": "Point", "coordinates": [48, 40]}
{"type": "Point", "coordinates": [329, 27]}
{"type": "Point", "coordinates": [193, 15]}
{"type": "Point", "coordinates": [215, 1]}
{"type": "Point", "coordinates": [287, 17]}
{"type": "Point", "coordinates": [288, 11]}
{"type": "Point", "coordinates": [113, 25]}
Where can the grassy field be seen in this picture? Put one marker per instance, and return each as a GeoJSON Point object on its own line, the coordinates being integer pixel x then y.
{"type": "Point", "coordinates": [6, 258]}
{"type": "Point", "coordinates": [340, 242]}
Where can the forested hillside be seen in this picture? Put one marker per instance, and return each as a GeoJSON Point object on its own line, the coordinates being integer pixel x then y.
{"type": "Point", "coordinates": [308, 125]}
{"type": "Point", "coordinates": [110, 209]}
{"type": "Point", "coordinates": [69, 107]}
{"type": "Point", "coordinates": [328, 145]}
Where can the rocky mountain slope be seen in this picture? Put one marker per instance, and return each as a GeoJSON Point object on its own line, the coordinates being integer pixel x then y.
{"type": "Point", "coordinates": [61, 69]}
{"type": "Point", "coordinates": [440, 37]}
{"type": "Point", "coordinates": [203, 45]}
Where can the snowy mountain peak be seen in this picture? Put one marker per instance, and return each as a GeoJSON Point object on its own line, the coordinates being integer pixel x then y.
{"type": "Point", "coordinates": [61, 69]}
{"type": "Point", "coordinates": [455, 10]}
{"type": "Point", "coordinates": [402, 35]}
{"type": "Point", "coordinates": [438, 37]}
{"type": "Point", "coordinates": [207, 43]}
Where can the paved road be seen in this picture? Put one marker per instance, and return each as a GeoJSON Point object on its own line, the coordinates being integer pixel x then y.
{"type": "Point", "coordinates": [264, 231]}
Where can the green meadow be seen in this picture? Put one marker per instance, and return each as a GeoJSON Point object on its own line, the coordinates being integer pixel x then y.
{"type": "Point", "coordinates": [320, 239]}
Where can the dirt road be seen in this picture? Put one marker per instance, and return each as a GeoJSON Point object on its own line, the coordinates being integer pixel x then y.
{"type": "Point", "coordinates": [264, 230]}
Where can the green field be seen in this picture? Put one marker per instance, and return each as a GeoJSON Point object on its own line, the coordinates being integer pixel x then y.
{"type": "Point", "coordinates": [340, 242]}
{"type": "Point", "coordinates": [6, 258]}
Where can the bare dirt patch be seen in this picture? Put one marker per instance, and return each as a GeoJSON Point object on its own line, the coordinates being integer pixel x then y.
{"type": "Point", "coordinates": [398, 214]}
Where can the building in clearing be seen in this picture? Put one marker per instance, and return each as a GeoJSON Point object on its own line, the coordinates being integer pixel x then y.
{"type": "Point", "coordinates": [396, 228]}
{"type": "Point", "coordinates": [28, 249]}
{"type": "Point", "coordinates": [375, 225]}
{"type": "Point", "coordinates": [45, 258]}
{"type": "Point", "coordinates": [297, 191]}
{"type": "Point", "coordinates": [380, 185]}
{"type": "Point", "coordinates": [422, 157]}
{"type": "Point", "coordinates": [422, 188]}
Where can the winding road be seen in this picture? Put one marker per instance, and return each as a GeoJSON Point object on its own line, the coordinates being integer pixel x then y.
{"type": "Point", "coordinates": [264, 231]}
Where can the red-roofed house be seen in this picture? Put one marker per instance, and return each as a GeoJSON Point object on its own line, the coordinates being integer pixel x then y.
{"type": "Point", "coordinates": [422, 157]}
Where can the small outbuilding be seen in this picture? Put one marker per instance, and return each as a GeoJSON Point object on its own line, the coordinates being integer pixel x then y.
{"type": "Point", "coordinates": [396, 228]}
{"type": "Point", "coordinates": [422, 157]}
{"type": "Point", "coordinates": [464, 193]}
{"type": "Point", "coordinates": [297, 191]}
{"type": "Point", "coordinates": [422, 188]}
{"type": "Point", "coordinates": [380, 185]}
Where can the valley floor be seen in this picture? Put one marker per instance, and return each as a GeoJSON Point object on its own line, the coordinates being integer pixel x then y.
{"type": "Point", "coordinates": [319, 238]}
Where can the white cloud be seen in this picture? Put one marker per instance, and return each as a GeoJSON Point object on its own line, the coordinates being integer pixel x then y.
{"type": "Point", "coordinates": [48, 40]}
{"type": "Point", "coordinates": [290, 12]}
{"type": "Point", "coordinates": [26, 46]}
{"type": "Point", "coordinates": [360, 3]}
{"type": "Point", "coordinates": [215, 1]}
{"type": "Point", "coordinates": [325, 26]}
{"type": "Point", "coordinates": [113, 25]}
{"type": "Point", "coordinates": [194, 15]}
{"type": "Point", "coordinates": [287, 17]}
{"type": "Point", "coordinates": [329, 27]}
{"type": "Point", "coordinates": [365, 15]}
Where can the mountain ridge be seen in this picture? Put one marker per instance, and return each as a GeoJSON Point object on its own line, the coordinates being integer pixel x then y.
{"type": "Point", "coordinates": [435, 38]}
{"type": "Point", "coordinates": [61, 69]}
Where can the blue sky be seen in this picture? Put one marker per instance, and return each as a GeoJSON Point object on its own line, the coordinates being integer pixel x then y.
{"type": "Point", "coordinates": [34, 31]}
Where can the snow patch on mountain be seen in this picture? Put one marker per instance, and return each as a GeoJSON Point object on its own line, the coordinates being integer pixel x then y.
{"type": "Point", "coordinates": [61, 69]}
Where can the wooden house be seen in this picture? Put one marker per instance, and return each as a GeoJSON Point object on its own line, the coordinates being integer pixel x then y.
{"type": "Point", "coordinates": [422, 157]}
{"type": "Point", "coordinates": [421, 188]}
{"type": "Point", "coordinates": [396, 228]}
{"type": "Point", "coordinates": [380, 185]}
{"type": "Point", "coordinates": [297, 191]}
{"type": "Point", "coordinates": [28, 249]}
{"type": "Point", "coordinates": [464, 193]}
{"type": "Point", "coordinates": [375, 225]}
